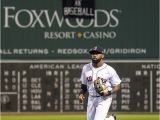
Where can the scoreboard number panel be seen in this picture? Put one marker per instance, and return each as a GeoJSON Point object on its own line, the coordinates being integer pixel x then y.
{"type": "Point", "coordinates": [54, 86]}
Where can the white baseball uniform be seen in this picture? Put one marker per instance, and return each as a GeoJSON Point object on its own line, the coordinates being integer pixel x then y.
{"type": "Point", "coordinates": [98, 106]}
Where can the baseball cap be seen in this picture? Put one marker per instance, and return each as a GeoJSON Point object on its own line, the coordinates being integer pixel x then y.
{"type": "Point", "coordinates": [96, 49]}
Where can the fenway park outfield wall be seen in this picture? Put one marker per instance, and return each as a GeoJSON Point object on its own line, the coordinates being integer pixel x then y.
{"type": "Point", "coordinates": [45, 44]}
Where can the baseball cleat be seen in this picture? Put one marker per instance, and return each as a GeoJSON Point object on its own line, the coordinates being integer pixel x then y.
{"type": "Point", "coordinates": [114, 116]}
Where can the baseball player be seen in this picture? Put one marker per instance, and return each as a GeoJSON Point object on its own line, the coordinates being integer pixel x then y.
{"type": "Point", "coordinates": [98, 102]}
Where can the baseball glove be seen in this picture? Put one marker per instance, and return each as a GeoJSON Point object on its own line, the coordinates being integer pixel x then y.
{"type": "Point", "coordinates": [99, 86]}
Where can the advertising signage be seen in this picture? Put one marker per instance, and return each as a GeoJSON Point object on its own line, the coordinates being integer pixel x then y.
{"type": "Point", "coordinates": [39, 30]}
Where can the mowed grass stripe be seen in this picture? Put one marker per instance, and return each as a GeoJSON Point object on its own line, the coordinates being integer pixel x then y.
{"type": "Point", "coordinates": [78, 117]}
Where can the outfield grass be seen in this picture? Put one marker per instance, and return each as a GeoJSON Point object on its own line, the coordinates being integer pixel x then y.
{"type": "Point", "coordinates": [77, 117]}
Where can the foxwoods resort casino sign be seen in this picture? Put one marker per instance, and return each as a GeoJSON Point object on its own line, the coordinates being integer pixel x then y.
{"type": "Point", "coordinates": [47, 18]}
